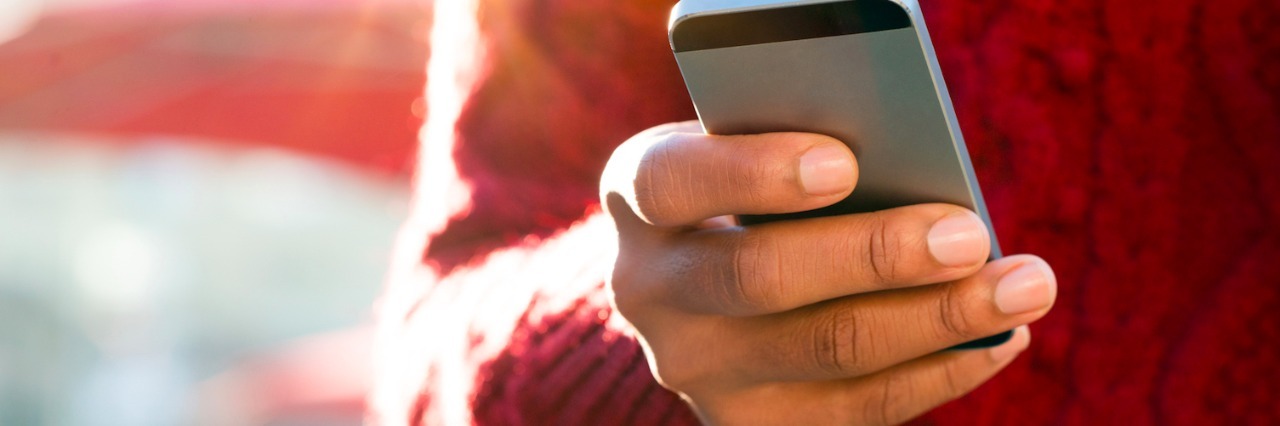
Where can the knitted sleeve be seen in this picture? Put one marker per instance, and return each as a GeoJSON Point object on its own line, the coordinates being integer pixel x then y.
{"type": "Point", "coordinates": [495, 311]}
{"type": "Point", "coordinates": [526, 337]}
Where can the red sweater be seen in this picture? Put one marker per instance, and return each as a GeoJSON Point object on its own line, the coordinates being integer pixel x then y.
{"type": "Point", "coordinates": [1133, 145]}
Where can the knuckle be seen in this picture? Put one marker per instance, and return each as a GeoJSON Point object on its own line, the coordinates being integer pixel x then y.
{"type": "Point", "coordinates": [834, 346]}
{"type": "Point", "coordinates": [892, 403]}
{"type": "Point", "coordinates": [671, 376]}
{"type": "Point", "coordinates": [753, 179]}
{"type": "Point", "coordinates": [634, 289]}
{"type": "Point", "coordinates": [884, 249]}
{"type": "Point", "coordinates": [753, 281]}
{"type": "Point", "coordinates": [624, 292]}
{"type": "Point", "coordinates": [678, 371]}
{"type": "Point", "coordinates": [952, 320]}
{"type": "Point", "coordinates": [658, 168]}
{"type": "Point", "coordinates": [952, 382]}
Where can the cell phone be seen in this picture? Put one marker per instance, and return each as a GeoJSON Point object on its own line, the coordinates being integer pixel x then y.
{"type": "Point", "coordinates": [861, 71]}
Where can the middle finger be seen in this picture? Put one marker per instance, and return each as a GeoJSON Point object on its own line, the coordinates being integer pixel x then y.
{"type": "Point", "coordinates": [780, 266]}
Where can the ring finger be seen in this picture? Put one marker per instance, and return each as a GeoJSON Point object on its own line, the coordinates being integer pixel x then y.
{"type": "Point", "coordinates": [857, 335]}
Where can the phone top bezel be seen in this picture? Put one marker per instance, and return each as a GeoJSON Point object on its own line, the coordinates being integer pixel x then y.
{"type": "Point", "coordinates": [685, 10]}
{"type": "Point", "coordinates": [787, 22]}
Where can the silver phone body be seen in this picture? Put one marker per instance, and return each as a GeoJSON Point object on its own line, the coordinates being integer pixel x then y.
{"type": "Point", "coordinates": [874, 86]}
{"type": "Point", "coordinates": [880, 92]}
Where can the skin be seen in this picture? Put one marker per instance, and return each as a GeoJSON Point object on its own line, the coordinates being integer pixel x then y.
{"type": "Point", "coordinates": [835, 320]}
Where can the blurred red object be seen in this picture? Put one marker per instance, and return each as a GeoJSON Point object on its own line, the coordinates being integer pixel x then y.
{"type": "Point", "coordinates": [338, 79]}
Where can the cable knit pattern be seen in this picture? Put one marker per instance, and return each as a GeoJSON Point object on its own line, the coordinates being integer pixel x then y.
{"type": "Point", "coordinates": [1134, 145]}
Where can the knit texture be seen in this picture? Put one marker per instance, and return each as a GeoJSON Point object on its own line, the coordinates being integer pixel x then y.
{"type": "Point", "coordinates": [1133, 145]}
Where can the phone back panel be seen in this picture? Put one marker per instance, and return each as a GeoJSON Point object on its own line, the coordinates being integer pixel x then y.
{"type": "Point", "coordinates": [879, 92]}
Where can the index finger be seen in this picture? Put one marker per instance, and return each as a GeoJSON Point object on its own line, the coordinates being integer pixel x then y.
{"type": "Point", "coordinates": [669, 177]}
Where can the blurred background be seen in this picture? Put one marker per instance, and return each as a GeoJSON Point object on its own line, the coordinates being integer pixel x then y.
{"type": "Point", "coordinates": [197, 203]}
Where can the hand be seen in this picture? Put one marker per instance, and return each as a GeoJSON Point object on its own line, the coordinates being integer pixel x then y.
{"type": "Point", "coordinates": [828, 320]}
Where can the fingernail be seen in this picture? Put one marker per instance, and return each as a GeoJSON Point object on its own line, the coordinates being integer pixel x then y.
{"type": "Point", "coordinates": [826, 169]}
{"type": "Point", "coordinates": [1029, 287]}
{"type": "Point", "coordinates": [959, 239]}
{"type": "Point", "coordinates": [1018, 343]}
